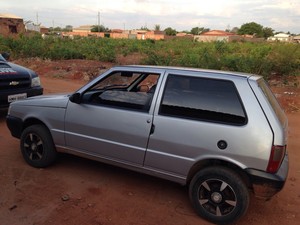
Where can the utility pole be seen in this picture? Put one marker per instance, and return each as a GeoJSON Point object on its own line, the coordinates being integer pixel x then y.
{"type": "Point", "coordinates": [98, 21]}
{"type": "Point", "coordinates": [37, 18]}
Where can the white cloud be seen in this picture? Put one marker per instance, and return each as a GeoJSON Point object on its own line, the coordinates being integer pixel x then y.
{"type": "Point", "coordinates": [179, 14]}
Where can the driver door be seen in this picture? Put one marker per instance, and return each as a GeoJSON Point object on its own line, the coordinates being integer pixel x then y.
{"type": "Point", "coordinates": [116, 132]}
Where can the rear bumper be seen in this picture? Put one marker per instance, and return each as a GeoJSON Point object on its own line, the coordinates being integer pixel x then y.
{"type": "Point", "coordinates": [266, 185]}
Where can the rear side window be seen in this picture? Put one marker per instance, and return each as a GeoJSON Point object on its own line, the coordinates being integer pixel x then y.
{"type": "Point", "coordinates": [202, 99]}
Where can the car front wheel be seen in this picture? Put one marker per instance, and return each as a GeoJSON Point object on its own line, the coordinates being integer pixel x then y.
{"type": "Point", "coordinates": [219, 195]}
{"type": "Point", "coordinates": [37, 146]}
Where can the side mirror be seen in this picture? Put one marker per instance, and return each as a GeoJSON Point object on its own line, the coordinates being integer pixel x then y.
{"type": "Point", "coordinates": [75, 98]}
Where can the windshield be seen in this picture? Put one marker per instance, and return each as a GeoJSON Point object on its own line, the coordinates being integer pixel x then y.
{"type": "Point", "coordinates": [130, 81]}
{"type": "Point", "coordinates": [2, 58]}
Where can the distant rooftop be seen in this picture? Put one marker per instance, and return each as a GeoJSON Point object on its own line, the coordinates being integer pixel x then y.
{"type": "Point", "coordinates": [8, 15]}
{"type": "Point", "coordinates": [218, 33]}
{"type": "Point", "coordinates": [84, 27]}
{"type": "Point", "coordinates": [282, 35]}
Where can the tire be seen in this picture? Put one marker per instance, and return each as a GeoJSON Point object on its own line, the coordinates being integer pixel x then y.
{"type": "Point", "coordinates": [37, 146]}
{"type": "Point", "coordinates": [219, 195]}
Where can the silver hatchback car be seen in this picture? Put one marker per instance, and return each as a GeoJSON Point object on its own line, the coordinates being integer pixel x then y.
{"type": "Point", "coordinates": [221, 133]}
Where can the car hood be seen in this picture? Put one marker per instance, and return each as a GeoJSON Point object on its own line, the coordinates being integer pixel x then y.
{"type": "Point", "coordinates": [11, 69]}
{"type": "Point", "coordinates": [53, 101]}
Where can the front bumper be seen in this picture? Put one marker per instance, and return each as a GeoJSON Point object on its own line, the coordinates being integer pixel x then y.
{"type": "Point", "coordinates": [30, 93]}
{"type": "Point", "coordinates": [266, 185]}
{"type": "Point", "coordinates": [15, 126]}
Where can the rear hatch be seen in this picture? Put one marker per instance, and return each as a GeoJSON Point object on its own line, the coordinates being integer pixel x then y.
{"type": "Point", "coordinates": [272, 109]}
{"type": "Point", "coordinates": [277, 120]}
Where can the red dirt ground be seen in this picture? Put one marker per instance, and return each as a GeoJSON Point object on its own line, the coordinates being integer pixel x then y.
{"type": "Point", "coordinates": [80, 191]}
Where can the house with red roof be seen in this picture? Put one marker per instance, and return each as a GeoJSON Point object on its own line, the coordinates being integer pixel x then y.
{"type": "Point", "coordinates": [215, 35]}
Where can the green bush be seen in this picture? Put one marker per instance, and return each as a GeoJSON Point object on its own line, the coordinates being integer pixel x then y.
{"type": "Point", "coordinates": [258, 58]}
{"type": "Point", "coordinates": [286, 59]}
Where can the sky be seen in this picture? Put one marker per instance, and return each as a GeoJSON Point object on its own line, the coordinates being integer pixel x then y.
{"type": "Point", "coordinates": [280, 15]}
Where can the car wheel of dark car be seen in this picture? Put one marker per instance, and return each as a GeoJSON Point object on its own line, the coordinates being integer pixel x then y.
{"type": "Point", "coordinates": [37, 146]}
{"type": "Point", "coordinates": [219, 195]}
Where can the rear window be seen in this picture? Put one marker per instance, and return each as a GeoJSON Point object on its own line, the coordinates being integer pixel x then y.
{"type": "Point", "coordinates": [202, 99]}
{"type": "Point", "coordinates": [272, 100]}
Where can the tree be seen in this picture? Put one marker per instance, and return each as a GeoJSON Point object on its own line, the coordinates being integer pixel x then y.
{"type": "Point", "coordinates": [57, 29]}
{"type": "Point", "coordinates": [100, 28]}
{"type": "Point", "coordinates": [157, 27]}
{"type": "Point", "coordinates": [205, 30]}
{"type": "Point", "coordinates": [145, 28]}
{"type": "Point", "coordinates": [268, 32]}
{"type": "Point", "coordinates": [252, 29]}
{"type": "Point", "coordinates": [198, 30]}
{"type": "Point", "coordinates": [234, 30]}
{"type": "Point", "coordinates": [170, 31]}
{"type": "Point", "coordinates": [68, 28]}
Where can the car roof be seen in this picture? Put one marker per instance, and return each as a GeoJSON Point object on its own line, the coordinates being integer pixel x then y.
{"type": "Point", "coordinates": [189, 69]}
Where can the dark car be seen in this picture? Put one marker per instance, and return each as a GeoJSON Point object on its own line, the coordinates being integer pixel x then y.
{"type": "Point", "coordinates": [16, 82]}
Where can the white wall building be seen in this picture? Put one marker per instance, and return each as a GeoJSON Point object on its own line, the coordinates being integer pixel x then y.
{"type": "Point", "coordinates": [280, 37]}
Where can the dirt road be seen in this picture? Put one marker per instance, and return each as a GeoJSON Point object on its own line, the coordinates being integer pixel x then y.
{"type": "Point", "coordinates": [79, 191]}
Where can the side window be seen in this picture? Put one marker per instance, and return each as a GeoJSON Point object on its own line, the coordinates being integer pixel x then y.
{"type": "Point", "coordinates": [124, 90]}
{"type": "Point", "coordinates": [202, 99]}
{"type": "Point", "coordinates": [148, 84]}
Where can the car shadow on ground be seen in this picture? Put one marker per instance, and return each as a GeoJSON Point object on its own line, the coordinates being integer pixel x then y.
{"type": "Point", "coordinates": [94, 176]}
{"type": "Point", "coordinates": [92, 167]}
{"type": "Point", "coordinates": [3, 113]}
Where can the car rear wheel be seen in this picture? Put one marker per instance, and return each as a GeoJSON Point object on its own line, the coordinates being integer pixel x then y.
{"type": "Point", "coordinates": [37, 146]}
{"type": "Point", "coordinates": [219, 195]}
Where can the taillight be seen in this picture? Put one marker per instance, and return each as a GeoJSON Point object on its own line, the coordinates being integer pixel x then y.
{"type": "Point", "coordinates": [276, 157]}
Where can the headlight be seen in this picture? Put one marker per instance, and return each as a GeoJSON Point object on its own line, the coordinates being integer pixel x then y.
{"type": "Point", "coordinates": [35, 82]}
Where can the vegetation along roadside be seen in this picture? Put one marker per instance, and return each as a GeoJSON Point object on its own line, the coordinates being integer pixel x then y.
{"type": "Point", "coordinates": [260, 58]}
